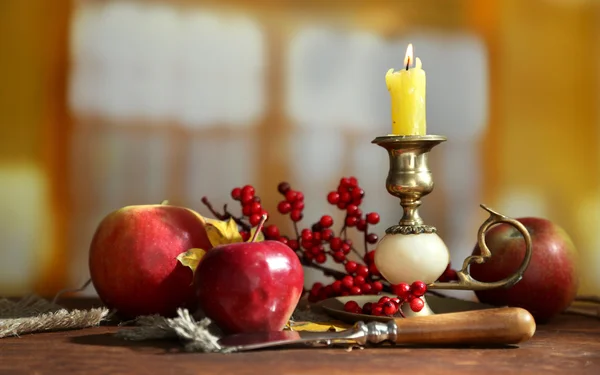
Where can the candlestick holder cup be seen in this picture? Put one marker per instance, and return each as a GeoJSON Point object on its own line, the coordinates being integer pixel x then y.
{"type": "Point", "coordinates": [412, 250]}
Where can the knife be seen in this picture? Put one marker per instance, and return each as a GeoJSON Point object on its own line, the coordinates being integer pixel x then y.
{"type": "Point", "coordinates": [498, 326]}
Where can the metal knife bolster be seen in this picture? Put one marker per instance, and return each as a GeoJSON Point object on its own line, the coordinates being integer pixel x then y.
{"type": "Point", "coordinates": [374, 332]}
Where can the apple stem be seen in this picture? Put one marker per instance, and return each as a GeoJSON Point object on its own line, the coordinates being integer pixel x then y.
{"type": "Point", "coordinates": [259, 227]}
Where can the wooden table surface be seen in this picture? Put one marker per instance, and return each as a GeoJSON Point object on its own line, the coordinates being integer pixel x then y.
{"type": "Point", "coordinates": [569, 344]}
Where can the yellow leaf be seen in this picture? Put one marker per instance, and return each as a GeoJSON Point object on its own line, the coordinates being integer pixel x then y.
{"type": "Point", "coordinates": [260, 236]}
{"type": "Point", "coordinates": [317, 326]}
{"type": "Point", "coordinates": [222, 232]}
{"type": "Point", "coordinates": [191, 258]}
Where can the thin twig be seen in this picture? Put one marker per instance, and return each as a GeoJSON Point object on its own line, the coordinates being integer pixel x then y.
{"type": "Point", "coordinates": [296, 230]}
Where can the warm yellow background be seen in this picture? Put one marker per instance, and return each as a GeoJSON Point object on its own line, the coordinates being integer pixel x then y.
{"type": "Point", "coordinates": [542, 138]}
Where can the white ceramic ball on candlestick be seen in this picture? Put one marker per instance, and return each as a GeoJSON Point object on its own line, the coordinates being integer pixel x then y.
{"type": "Point", "coordinates": [404, 258]}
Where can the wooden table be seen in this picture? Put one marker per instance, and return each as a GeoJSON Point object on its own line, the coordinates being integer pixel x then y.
{"type": "Point", "coordinates": [568, 345]}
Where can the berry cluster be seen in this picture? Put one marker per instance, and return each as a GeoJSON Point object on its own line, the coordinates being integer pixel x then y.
{"type": "Point", "coordinates": [316, 243]}
{"type": "Point", "coordinates": [390, 306]}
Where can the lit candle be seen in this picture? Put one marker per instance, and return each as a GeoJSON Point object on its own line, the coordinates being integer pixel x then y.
{"type": "Point", "coordinates": [407, 92]}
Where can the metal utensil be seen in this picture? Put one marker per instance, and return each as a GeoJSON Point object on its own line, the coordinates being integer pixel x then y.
{"type": "Point", "coordinates": [500, 326]}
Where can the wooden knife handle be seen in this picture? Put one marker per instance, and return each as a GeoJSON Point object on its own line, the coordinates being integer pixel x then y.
{"type": "Point", "coordinates": [489, 326]}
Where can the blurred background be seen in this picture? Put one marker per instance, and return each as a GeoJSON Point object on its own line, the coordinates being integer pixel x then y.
{"type": "Point", "coordinates": [112, 103]}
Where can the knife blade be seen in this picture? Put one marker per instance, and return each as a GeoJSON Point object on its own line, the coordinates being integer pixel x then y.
{"type": "Point", "coordinates": [498, 326]}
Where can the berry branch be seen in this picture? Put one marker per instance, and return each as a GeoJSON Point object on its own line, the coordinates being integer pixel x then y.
{"type": "Point", "coordinates": [315, 244]}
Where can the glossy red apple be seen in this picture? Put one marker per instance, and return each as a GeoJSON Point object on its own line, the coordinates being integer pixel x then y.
{"type": "Point", "coordinates": [133, 262]}
{"type": "Point", "coordinates": [249, 286]}
{"type": "Point", "coordinates": [549, 284]}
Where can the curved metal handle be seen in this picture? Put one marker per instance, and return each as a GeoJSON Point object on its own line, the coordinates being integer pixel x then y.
{"type": "Point", "coordinates": [466, 281]}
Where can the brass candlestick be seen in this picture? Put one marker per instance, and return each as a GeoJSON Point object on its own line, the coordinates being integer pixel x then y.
{"type": "Point", "coordinates": [410, 179]}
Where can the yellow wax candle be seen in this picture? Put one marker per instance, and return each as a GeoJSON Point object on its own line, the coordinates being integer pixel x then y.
{"type": "Point", "coordinates": [407, 92]}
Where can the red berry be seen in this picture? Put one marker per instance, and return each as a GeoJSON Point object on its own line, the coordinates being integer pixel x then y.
{"type": "Point", "coordinates": [344, 293]}
{"type": "Point", "coordinates": [254, 220]}
{"type": "Point", "coordinates": [370, 257]}
{"type": "Point", "coordinates": [283, 187]}
{"type": "Point", "coordinates": [341, 205]}
{"type": "Point", "coordinates": [358, 193]}
{"type": "Point", "coordinates": [316, 250]}
{"type": "Point", "coordinates": [256, 208]}
{"type": "Point", "coordinates": [344, 182]}
{"type": "Point", "coordinates": [366, 288]}
{"type": "Point", "coordinates": [390, 308]}
{"type": "Point", "coordinates": [352, 181]}
{"type": "Point", "coordinates": [367, 308]}
{"type": "Point", "coordinates": [236, 194]}
{"type": "Point", "coordinates": [291, 196]}
{"type": "Point", "coordinates": [351, 221]}
{"type": "Point", "coordinates": [355, 291]}
{"type": "Point", "coordinates": [372, 238]}
{"type": "Point", "coordinates": [284, 207]}
{"type": "Point", "coordinates": [362, 270]}
{"type": "Point", "coordinates": [372, 218]}
{"type": "Point", "coordinates": [383, 299]}
{"type": "Point", "coordinates": [361, 225]}
{"type": "Point", "coordinates": [348, 281]}
{"type": "Point", "coordinates": [358, 213]}
{"type": "Point", "coordinates": [316, 236]}
{"type": "Point", "coordinates": [335, 243]}
{"type": "Point", "coordinates": [396, 300]}
{"type": "Point", "coordinates": [296, 215]}
{"type": "Point", "coordinates": [284, 240]}
{"type": "Point", "coordinates": [298, 205]}
{"type": "Point", "coordinates": [373, 270]}
{"type": "Point", "coordinates": [345, 197]}
{"type": "Point", "coordinates": [336, 286]}
{"type": "Point", "coordinates": [351, 209]}
{"type": "Point", "coordinates": [351, 306]}
{"type": "Point", "coordinates": [377, 286]}
{"type": "Point", "coordinates": [359, 280]}
{"type": "Point", "coordinates": [326, 221]}
{"type": "Point", "coordinates": [245, 236]}
{"type": "Point", "coordinates": [248, 190]}
{"type": "Point", "coordinates": [339, 256]}
{"type": "Point", "coordinates": [299, 196]}
{"type": "Point", "coordinates": [377, 309]}
{"type": "Point", "coordinates": [418, 288]}
{"type": "Point", "coordinates": [417, 304]}
{"type": "Point", "coordinates": [272, 231]}
{"type": "Point", "coordinates": [306, 234]}
{"type": "Point", "coordinates": [402, 290]}
{"type": "Point", "coordinates": [308, 256]}
{"type": "Point", "coordinates": [247, 210]}
{"type": "Point", "coordinates": [333, 197]}
{"type": "Point", "coordinates": [346, 248]}
{"type": "Point", "coordinates": [316, 287]}
{"type": "Point", "coordinates": [293, 244]}
{"type": "Point", "coordinates": [256, 199]}
{"type": "Point", "coordinates": [326, 234]}
{"type": "Point", "coordinates": [320, 258]}
{"type": "Point", "coordinates": [351, 267]}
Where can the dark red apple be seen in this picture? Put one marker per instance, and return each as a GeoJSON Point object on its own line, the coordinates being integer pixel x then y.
{"type": "Point", "coordinates": [249, 286]}
{"type": "Point", "coordinates": [549, 284]}
{"type": "Point", "coordinates": [133, 259]}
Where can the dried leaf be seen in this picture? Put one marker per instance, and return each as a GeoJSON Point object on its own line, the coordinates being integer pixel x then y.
{"type": "Point", "coordinates": [260, 236]}
{"type": "Point", "coordinates": [222, 232]}
{"type": "Point", "coordinates": [317, 326]}
{"type": "Point", "coordinates": [191, 258]}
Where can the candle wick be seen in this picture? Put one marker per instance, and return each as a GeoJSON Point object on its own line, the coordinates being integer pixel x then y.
{"type": "Point", "coordinates": [407, 63]}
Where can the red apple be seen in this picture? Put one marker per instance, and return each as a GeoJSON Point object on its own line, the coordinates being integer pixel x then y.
{"type": "Point", "coordinates": [549, 284]}
{"type": "Point", "coordinates": [249, 286]}
{"type": "Point", "coordinates": [133, 262]}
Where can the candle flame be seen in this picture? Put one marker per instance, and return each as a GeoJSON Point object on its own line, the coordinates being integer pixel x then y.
{"type": "Point", "coordinates": [408, 58]}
